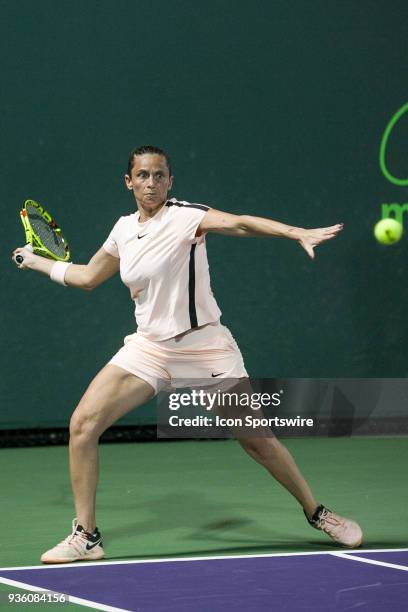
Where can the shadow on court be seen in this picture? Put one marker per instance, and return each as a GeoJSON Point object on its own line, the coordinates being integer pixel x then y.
{"type": "Point", "coordinates": [199, 498]}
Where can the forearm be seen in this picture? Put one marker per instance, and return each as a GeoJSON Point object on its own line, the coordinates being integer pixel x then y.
{"type": "Point", "coordinates": [75, 275]}
{"type": "Point", "coordinates": [249, 225]}
{"type": "Point", "coordinates": [99, 268]}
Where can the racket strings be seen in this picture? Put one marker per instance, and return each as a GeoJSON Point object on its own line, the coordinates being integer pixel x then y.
{"type": "Point", "coordinates": [49, 238]}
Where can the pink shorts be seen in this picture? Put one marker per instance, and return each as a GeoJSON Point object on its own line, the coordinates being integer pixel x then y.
{"type": "Point", "coordinates": [207, 352]}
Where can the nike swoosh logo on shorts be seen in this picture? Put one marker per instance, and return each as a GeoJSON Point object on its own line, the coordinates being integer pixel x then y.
{"type": "Point", "coordinates": [215, 375]}
{"type": "Point", "coordinates": [141, 236]}
{"type": "Point", "coordinates": [90, 547]}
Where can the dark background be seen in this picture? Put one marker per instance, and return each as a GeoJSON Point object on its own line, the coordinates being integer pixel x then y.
{"type": "Point", "coordinates": [269, 108]}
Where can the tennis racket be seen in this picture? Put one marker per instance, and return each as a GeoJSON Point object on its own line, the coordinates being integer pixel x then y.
{"type": "Point", "coordinates": [42, 234]}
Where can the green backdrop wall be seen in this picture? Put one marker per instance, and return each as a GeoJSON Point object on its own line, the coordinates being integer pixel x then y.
{"type": "Point", "coordinates": [272, 108]}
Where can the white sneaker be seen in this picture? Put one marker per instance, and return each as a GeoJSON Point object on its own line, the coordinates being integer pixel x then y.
{"type": "Point", "coordinates": [78, 546]}
{"type": "Point", "coordinates": [342, 530]}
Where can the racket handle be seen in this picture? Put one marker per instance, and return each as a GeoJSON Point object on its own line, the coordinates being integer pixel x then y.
{"type": "Point", "coordinates": [19, 258]}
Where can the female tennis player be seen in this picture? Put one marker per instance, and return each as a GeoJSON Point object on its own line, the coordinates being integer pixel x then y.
{"type": "Point", "coordinates": [160, 252]}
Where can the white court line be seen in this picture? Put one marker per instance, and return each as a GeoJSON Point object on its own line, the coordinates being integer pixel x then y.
{"type": "Point", "coordinates": [72, 599]}
{"type": "Point", "coordinates": [180, 559]}
{"type": "Point", "coordinates": [370, 561]}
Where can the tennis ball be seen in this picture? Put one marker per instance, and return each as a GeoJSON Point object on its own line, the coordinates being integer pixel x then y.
{"type": "Point", "coordinates": [388, 231]}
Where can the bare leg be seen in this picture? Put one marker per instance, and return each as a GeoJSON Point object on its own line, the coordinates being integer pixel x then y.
{"type": "Point", "coordinates": [111, 394]}
{"type": "Point", "coordinates": [270, 453]}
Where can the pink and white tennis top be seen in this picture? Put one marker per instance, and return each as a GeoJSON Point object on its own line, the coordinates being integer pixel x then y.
{"type": "Point", "coordinates": [166, 269]}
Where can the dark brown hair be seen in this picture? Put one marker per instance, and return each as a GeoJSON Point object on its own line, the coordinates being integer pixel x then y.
{"type": "Point", "coordinates": [142, 151]}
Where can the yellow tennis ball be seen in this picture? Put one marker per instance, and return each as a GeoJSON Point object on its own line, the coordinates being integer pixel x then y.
{"type": "Point", "coordinates": [388, 231]}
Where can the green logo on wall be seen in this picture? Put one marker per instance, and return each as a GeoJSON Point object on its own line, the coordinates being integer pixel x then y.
{"type": "Point", "coordinates": [394, 210]}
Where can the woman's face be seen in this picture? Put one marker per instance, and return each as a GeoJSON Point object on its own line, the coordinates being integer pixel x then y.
{"type": "Point", "coordinates": [150, 180]}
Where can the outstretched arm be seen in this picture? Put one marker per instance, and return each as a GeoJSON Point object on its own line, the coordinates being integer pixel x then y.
{"type": "Point", "coordinates": [101, 267]}
{"type": "Point", "coordinates": [247, 225]}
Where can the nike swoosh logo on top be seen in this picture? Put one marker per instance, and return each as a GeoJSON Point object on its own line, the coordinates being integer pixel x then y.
{"type": "Point", "coordinates": [90, 547]}
{"type": "Point", "coordinates": [141, 236]}
{"type": "Point", "coordinates": [215, 375]}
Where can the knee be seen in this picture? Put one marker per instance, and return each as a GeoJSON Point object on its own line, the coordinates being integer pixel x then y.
{"type": "Point", "coordinates": [83, 428]}
{"type": "Point", "coordinates": [263, 450]}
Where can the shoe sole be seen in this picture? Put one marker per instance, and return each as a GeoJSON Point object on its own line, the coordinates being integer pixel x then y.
{"type": "Point", "coordinates": [356, 545]}
{"type": "Point", "coordinates": [96, 558]}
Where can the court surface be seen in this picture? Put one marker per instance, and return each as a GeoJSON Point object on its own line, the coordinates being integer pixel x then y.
{"type": "Point", "coordinates": [200, 526]}
{"type": "Point", "coordinates": [367, 580]}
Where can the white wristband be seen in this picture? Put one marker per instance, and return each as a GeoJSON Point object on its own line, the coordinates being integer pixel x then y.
{"type": "Point", "coordinates": [57, 272]}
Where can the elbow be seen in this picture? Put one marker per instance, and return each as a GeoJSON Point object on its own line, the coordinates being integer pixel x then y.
{"type": "Point", "coordinates": [88, 283]}
{"type": "Point", "coordinates": [243, 225]}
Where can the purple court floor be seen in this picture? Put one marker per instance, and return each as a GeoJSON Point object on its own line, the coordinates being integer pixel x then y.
{"type": "Point", "coordinates": [366, 580]}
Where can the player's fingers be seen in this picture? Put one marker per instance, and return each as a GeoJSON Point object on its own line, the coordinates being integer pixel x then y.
{"type": "Point", "coordinates": [335, 229]}
{"type": "Point", "coordinates": [316, 240]}
{"type": "Point", "coordinates": [323, 234]}
{"type": "Point", "coordinates": [308, 248]}
{"type": "Point", "coordinates": [311, 252]}
{"type": "Point", "coordinates": [18, 252]}
{"type": "Point", "coordinates": [328, 233]}
{"type": "Point", "coordinates": [14, 255]}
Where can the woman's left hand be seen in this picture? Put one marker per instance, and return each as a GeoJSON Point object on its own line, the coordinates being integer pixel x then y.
{"type": "Point", "coordinates": [311, 238]}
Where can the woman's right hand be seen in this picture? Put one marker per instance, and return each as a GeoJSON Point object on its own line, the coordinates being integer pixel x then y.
{"type": "Point", "coordinates": [27, 255]}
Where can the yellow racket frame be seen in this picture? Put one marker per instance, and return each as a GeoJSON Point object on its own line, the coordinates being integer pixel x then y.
{"type": "Point", "coordinates": [34, 240]}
